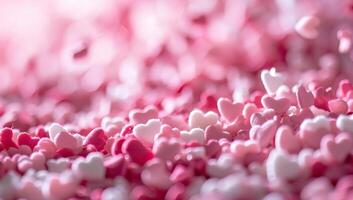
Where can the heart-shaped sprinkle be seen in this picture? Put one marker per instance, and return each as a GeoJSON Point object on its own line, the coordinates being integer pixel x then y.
{"type": "Point", "coordinates": [97, 138]}
{"type": "Point", "coordinates": [264, 134]}
{"type": "Point", "coordinates": [166, 149]}
{"type": "Point", "coordinates": [146, 132]}
{"type": "Point", "coordinates": [280, 105]}
{"type": "Point", "coordinates": [26, 139]}
{"type": "Point", "coordinates": [156, 175]}
{"type": "Point", "coordinates": [336, 149]}
{"type": "Point", "coordinates": [272, 80]}
{"type": "Point", "coordinates": [195, 134]}
{"type": "Point", "coordinates": [345, 123]}
{"type": "Point", "coordinates": [312, 131]}
{"type": "Point", "coordinates": [137, 152]}
{"type": "Point", "coordinates": [215, 132]}
{"type": "Point", "coordinates": [65, 140]}
{"type": "Point", "coordinates": [198, 119]}
{"type": "Point", "coordinates": [115, 166]}
{"type": "Point", "coordinates": [143, 116]}
{"type": "Point", "coordinates": [229, 110]}
{"type": "Point", "coordinates": [90, 168]}
{"type": "Point", "coordinates": [305, 98]}
{"type": "Point", "coordinates": [280, 166]}
{"type": "Point", "coordinates": [286, 140]}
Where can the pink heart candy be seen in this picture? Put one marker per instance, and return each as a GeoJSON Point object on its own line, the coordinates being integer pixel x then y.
{"type": "Point", "coordinates": [155, 174]}
{"type": "Point", "coordinates": [336, 149]}
{"type": "Point", "coordinates": [65, 140]}
{"type": "Point", "coordinates": [198, 119]}
{"type": "Point", "coordinates": [97, 138]}
{"type": "Point", "coordinates": [242, 148]}
{"type": "Point", "coordinates": [312, 130]}
{"type": "Point", "coordinates": [166, 149]}
{"type": "Point", "coordinates": [147, 132]}
{"type": "Point", "coordinates": [143, 116]}
{"type": "Point", "coordinates": [229, 110]}
{"type": "Point", "coordinates": [286, 140]}
{"type": "Point", "coordinates": [279, 105]}
{"type": "Point", "coordinates": [305, 98]}
{"type": "Point", "coordinates": [46, 146]}
{"type": "Point", "coordinates": [215, 132]}
{"type": "Point", "coordinates": [281, 166]}
{"type": "Point", "coordinates": [60, 186]}
{"type": "Point", "coordinates": [90, 168]}
{"type": "Point", "coordinates": [265, 133]}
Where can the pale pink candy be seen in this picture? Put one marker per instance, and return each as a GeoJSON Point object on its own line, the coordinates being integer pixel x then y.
{"type": "Point", "coordinates": [90, 168]}
{"type": "Point", "coordinates": [155, 174]}
{"type": "Point", "coordinates": [241, 148]}
{"type": "Point", "coordinates": [143, 116]}
{"type": "Point", "coordinates": [65, 140]}
{"type": "Point", "coordinates": [215, 132]}
{"type": "Point", "coordinates": [147, 132]}
{"type": "Point", "coordinates": [312, 131]}
{"type": "Point", "coordinates": [264, 134]}
{"type": "Point", "coordinates": [279, 105]}
{"type": "Point", "coordinates": [281, 166]}
{"type": "Point", "coordinates": [286, 140]}
{"type": "Point", "coordinates": [345, 123]}
{"type": "Point", "coordinates": [272, 80]}
{"type": "Point", "coordinates": [229, 110]}
{"type": "Point", "coordinates": [166, 149]}
{"type": "Point", "coordinates": [30, 189]}
{"type": "Point", "coordinates": [338, 106]}
{"type": "Point", "coordinates": [60, 186]}
{"type": "Point", "coordinates": [55, 129]}
{"type": "Point", "coordinates": [308, 26]}
{"type": "Point", "coordinates": [336, 149]}
{"type": "Point", "coordinates": [198, 119]}
{"type": "Point", "coordinates": [222, 166]}
{"type": "Point", "coordinates": [168, 132]}
{"type": "Point", "coordinates": [249, 109]}
{"type": "Point", "coordinates": [58, 165]}
{"type": "Point", "coordinates": [319, 188]}
{"type": "Point", "coordinates": [195, 134]}
{"type": "Point", "coordinates": [305, 98]}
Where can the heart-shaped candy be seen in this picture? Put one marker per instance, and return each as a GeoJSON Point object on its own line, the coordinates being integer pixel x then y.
{"type": "Point", "coordinates": [305, 98]}
{"type": "Point", "coordinates": [345, 123]}
{"type": "Point", "coordinates": [166, 149]}
{"type": "Point", "coordinates": [146, 132]}
{"type": "Point", "coordinates": [143, 116]}
{"type": "Point", "coordinates": [229, 110]}
{"type": "Point", "coordinates": [65, 140]}
{"type": "Point", "coordinates": [97, 138]}
{"type": "Point", "coordinates": [279, 105]}
{"type": "Point", "coordinates": [90, 168]}
{"type": "Point", "coordinates": [195, 134]}
{"type": "Point", "coordinates": [215, 132]}
{"type": "Point", "coordinates": [155, 174]}
{"type": "Point", "coordinates": [336, 149]}
{"type": "Point", "coordinates": [264, 134]}
{"type": "Point", "coordinates": [312, 130]}
{"type": "Point", "coordinates": [272, 80]}
{"type": "Point", "coordinates": [281, 166]}
{"type": "Point", "coordinates": [198, 119]}
{"type": "Point", "coordinates": [286, 140]}
{"type": "Point", "coordinates": [137, 152]}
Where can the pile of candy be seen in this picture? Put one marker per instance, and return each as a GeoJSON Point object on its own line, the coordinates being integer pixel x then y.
{"type": "Point", "coordinates": [174, 100]}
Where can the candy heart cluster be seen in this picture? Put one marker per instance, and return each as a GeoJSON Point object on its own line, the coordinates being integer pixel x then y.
{"type": "Point", "coordinates": [277, 145]}
{"type": "Point", "coordinates": [176, 100]}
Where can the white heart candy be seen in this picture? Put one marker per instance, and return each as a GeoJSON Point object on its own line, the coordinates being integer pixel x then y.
{"type": "Point", "coordinates": [281, 166]}
{"type": "Point", "coordinates": [55, 129]}
{"type": "Point", "coordinates": [198, 119]}
{"type": "Point", "coordinates": [319, 123]}
{"type": "Point", "coordinates": [272, 80]}
{"type": "Point", "coordinates": [195, 134]}
{"type": "Point", "coordinates": [146, 132]}
{"type": "Point", "coordinates": [89, 168]}
{"type": "Point", "coordinates": [345, 123]}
